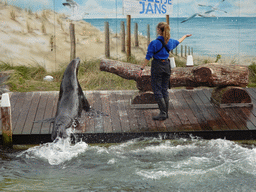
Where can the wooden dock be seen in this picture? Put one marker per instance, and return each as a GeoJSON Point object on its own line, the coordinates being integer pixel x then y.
{"type": "Point", "coordinates": [191, 113]}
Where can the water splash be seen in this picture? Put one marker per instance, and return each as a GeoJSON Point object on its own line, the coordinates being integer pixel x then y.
{"type": "Point", "coordinates": [150, 164]}
{"type": "Point", "coordinates": [57, 152]}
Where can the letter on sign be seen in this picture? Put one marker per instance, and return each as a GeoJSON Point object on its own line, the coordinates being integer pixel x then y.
{"type": "Point", "coordinates": [147, 7]}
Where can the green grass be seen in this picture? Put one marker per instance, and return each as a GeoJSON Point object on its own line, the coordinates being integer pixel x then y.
{"type": "Point", "coordinates": [26, 79]}
{"type": "Point", "coordinates": [252, 75]}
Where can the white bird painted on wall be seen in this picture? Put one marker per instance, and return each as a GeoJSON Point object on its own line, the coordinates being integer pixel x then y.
{"type": "Point", "coordinates": [207, 13]}
{"type": "Point", "coordinates": [76, 12]}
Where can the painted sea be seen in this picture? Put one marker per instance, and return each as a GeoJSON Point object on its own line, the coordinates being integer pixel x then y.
{"type": "Point", "coordinates": [227, 36]}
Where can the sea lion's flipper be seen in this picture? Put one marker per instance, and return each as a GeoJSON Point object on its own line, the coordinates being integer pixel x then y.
{"type": "Point", "coordinates": [50, 120]}
{"type": "Point", "coordinates": [85, 104]}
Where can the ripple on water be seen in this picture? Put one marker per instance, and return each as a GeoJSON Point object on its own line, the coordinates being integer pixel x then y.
{"type": "Point", "coordinates": [148, 164]}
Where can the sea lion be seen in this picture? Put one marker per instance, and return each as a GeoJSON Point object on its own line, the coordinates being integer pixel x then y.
{"type": "Point", "coordinates": [71, 101]}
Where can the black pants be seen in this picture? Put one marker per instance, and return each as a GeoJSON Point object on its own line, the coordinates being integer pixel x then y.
{"type": "Point", "coordinates": [160, 77]}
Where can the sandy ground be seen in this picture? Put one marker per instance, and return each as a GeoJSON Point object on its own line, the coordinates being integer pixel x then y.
{"type": "Point", "coordinates": [43, 38]}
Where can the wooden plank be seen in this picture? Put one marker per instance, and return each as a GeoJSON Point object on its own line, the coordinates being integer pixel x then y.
{"type": "Point", "coordinates": [31, 114]}
{"type": "Point", "coordinates": [36, 129]}
{"type": "Point", "coordinates": [115, 119]}
{"type": "Point", "coordinates": [168, 124]}
{"type": "Point", "coordinates": [13, 99]}
{"type": "Point", "coordinates": [88, 120]}
{"type": "Point", "coordinates": [147, 123]}
{"type": "Point", "coordinates": [177, 107]}
{"type": "Point", "coordinates": [18, 129]}
{"type": "Point", "coordinates": [99, 119]}
{"type": "Point", "coordinates": [152, 125]}
{"type": "Point", "coordinates": [240, 121]}
{"type": "Point", "coordinates": [224, 115]}
{"type": "Point", "coordinates": [245, 114]}
{"type": "Point", "coordinates": [142, 124]}
{"type": "Point", "coordinates": [213, 111]}
{"type": "Point", "coordinates": [131, 114]}
{"type": "Point", "coordinates": [234, 119]}
{"type": "Point", "coordinates": [187, 111]}
{"type": "Point", "coordinates": [209, 118]}
{"type": "Point", "coordinates": [251, 112]}
{"type": "Point", "coordinates": [54, 110]}
{"type": "Point", "coordinates": [16, 110]}
{"type": "Point", "coordinates": [248, 117]}
{"type": "Point", "coordinates": [122, 103]}
{"type": "Point", "coordinates": [173, 122]}
{"type": "Point", "coordinates": [105, 98]}
{"type": "Point", "coordinates": [252, 93]}
{"type": "Point", "coordinates": [51, 102]}
{"type": "Point", "coordinates": [197, 112]}
{"type": "Point", "coordinates": [144, 106]}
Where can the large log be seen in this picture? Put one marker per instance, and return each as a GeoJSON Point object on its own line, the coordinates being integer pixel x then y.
{"type": "Point", "coordinates": [210, 75]}
{"type": "Point", "coordinates": [231, 97]}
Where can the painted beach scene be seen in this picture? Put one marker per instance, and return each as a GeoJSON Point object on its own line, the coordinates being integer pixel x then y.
{"type": "Point", "coordinates": [80, 105]}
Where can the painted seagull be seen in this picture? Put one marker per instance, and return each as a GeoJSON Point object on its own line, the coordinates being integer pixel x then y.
{"type": "Point", "coordinates": [213, 8]}
{"type": "Point", "coordinates": [75, 7]}
{"type": "Point", "coordinates": [205, 14]}
{"type": "Point", "coordinates": [196, 14]}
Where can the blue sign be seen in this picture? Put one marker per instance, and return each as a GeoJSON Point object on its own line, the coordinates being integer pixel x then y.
{"type": "Point", "coordinates": [145, 7]}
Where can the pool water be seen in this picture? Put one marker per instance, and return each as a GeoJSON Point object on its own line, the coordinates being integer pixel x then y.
{"type": "Point", "coordinates": [145, 164]}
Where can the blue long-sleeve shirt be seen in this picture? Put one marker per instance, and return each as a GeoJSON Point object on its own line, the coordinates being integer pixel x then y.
{"type": "Point", "coordinates": [156, 45]}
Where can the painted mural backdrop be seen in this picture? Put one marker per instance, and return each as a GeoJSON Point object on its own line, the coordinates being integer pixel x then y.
{"type": "Point", "coordinates": [37, 32]}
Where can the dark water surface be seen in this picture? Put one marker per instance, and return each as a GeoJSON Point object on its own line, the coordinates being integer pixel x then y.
{"type": "Point", "coordinates": [138, 165]}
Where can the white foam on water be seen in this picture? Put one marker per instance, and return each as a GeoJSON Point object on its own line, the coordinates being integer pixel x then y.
{"type": "Point", "coordinates": [199, 159]}
{"type": "Point", "coordinates": [57, 152]}
{"type": "Point", "coordinates": [163, 173]}
{"type": "Point", "coordinates": [111, 161]}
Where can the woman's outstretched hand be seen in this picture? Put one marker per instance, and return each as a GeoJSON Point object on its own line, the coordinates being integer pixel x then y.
{"type": "Point", "coordinates": [184, 37]}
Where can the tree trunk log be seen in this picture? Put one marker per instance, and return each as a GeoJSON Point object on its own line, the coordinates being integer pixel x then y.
{"type": "Point", "coordinates": [210, 75]}
{"type": "Point", "coordinates": [144, 98]}
{"type": "Point", "coordinates": [230, 94]}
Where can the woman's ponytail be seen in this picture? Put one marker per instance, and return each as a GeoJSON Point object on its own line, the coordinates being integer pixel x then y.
{"type": "Point", "coordinates": [165, 29]}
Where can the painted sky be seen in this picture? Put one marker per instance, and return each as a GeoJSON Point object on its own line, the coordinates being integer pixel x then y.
{"type": "Point", "coordinates": [113, 8]}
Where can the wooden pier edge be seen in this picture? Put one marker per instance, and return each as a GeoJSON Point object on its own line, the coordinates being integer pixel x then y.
{"type": "Point", "coordinates": [187, 109]}
{"type": "Point", "coordinates": [101, 138]}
